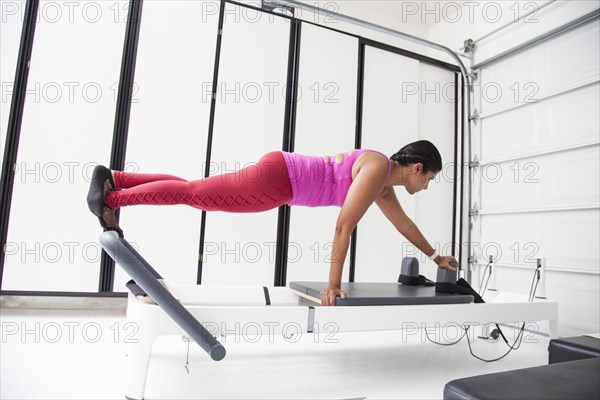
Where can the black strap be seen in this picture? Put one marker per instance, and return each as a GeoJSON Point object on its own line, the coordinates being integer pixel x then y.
{"type": "Point", "coordinates": [135, 288]}
{"type": "Point", "coordinates": [415, 280]}
{"type": "Point", "coordinates": [267, 296]}
{"type": "Point", "coordinates": [461, 286]}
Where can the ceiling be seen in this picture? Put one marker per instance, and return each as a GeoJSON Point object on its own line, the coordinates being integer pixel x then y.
{"type": "Point", "coordinates": [422, 12]}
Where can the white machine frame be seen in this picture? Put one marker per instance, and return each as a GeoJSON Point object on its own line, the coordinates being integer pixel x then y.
{"type": "Point", "coordinates": [221, 308]}
{"type": "Point", "coordinates": [205, 313]}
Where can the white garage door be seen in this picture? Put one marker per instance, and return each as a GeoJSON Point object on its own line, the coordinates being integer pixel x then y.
{"type": "Point", "coordinates": [537, 188]}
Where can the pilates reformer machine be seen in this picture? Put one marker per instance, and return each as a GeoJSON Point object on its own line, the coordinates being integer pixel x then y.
{"type": "Point", "coordinates": [202, 313]}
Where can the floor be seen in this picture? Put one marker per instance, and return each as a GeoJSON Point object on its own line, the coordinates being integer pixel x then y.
{"type": "Point", "coordinates": [79, 354]}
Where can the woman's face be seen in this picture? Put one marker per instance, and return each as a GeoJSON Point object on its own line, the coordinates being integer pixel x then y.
{"type": "Point", "coordinates": [418, 180]}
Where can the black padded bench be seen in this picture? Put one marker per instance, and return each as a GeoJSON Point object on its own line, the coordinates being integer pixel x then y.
{"type": "Point", "coordinates": [568, 380]}
{"type": "Point", "coordinates": [573, 373]}
{"type": "Point", "coordinates": [573, 348]}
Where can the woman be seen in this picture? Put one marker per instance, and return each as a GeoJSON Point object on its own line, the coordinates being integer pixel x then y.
{"type": "Point", "coordinates": [352, 181]}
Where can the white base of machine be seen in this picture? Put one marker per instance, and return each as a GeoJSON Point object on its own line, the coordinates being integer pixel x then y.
{"type": "Point", "coordinates": [241, 311]}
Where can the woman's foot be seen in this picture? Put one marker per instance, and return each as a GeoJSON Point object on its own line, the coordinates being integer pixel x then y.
{"type": "Point", "coordinates": [102, 183]}
{"type": "Point", "coordinates": [108, 220]}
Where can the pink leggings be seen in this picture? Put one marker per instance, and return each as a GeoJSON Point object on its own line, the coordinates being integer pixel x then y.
{"type": "Point", "coordinates": [260, 187]}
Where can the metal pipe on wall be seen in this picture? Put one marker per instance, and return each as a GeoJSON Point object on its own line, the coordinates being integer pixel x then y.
{"type": "Point", "coordinates": [375, 27]}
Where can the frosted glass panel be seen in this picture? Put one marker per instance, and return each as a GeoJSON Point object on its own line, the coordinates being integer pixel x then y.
{"type": "Point", "coordinates": [436, 124]}
{"type": "Point", "coordinates": [169, 129]}
{"type": "Point", "coordinates": [67, 128]}
{"type": "Point", "coordinates": [390, 120]}
{"type": "Point", "coordinates": [240, 248]}
{"type": "Point", "coordinates": [325, 125]}
{"type": "Point", "coordinates": [10, 37]}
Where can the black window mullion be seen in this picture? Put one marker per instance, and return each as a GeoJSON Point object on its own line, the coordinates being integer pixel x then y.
{"type": "Point", "coordinates": [289, 132]}
{"type": "Point", "coordinates": [122, 115]}
{"type": "Point", "coordinates": [211, 127]}
{"type": "Point", "coordinates": [360, 86]}
{"type": "Point", "coordinates": [15, 120]}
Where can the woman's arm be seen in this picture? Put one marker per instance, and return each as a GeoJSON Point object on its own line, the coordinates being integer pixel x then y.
{"type": "Point", "coordinates": [365, 187]}
{"type": "Point", "coordinates": [391, 208]}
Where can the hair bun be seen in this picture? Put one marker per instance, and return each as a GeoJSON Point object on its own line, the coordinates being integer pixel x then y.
{"type": "Point", "coordinates": [421, 151]}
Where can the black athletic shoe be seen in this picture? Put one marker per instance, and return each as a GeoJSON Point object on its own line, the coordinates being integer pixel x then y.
{"type": "Point", "coordinates": [99, 187]}
{"type": "Point", "coordinates": [102, 183]}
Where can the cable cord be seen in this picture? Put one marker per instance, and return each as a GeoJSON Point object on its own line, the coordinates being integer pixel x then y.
{"type": "Point", "coordinates": [444, 344]}
{"type": "Point", "coordinates": [482, 291]}
{"type": "Point", "coordinates": [483, 277]}
{"type": "Point", "coordinates": [519, 339]}
{"type": "Point", "coordinates": [535, 281]}
{"type": "Point", "coordinates": [511, 348]}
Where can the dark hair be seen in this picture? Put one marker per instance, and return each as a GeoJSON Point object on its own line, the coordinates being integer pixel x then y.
{"type": "Point", "coordinates": [421, 151]}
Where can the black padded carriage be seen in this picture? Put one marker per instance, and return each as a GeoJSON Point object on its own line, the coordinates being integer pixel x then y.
{"type": "Point", "coordinates": [382, 294]}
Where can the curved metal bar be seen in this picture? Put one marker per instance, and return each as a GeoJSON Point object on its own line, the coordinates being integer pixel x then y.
{"type": "Point", "coordinates": [375, 27]}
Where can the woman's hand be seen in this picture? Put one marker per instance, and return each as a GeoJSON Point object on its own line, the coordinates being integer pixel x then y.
{"type": "Point", "coordinates": [446, 262]}
{"type": "Point", "coordinates": [328, 295]}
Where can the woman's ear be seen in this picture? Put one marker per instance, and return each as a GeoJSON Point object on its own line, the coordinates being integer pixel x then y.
{"type": "Point", "coordinates": [417, 167]}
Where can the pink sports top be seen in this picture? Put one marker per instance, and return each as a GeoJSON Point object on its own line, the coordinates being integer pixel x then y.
{"type": "Point", "coordinates": [317, 182]}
